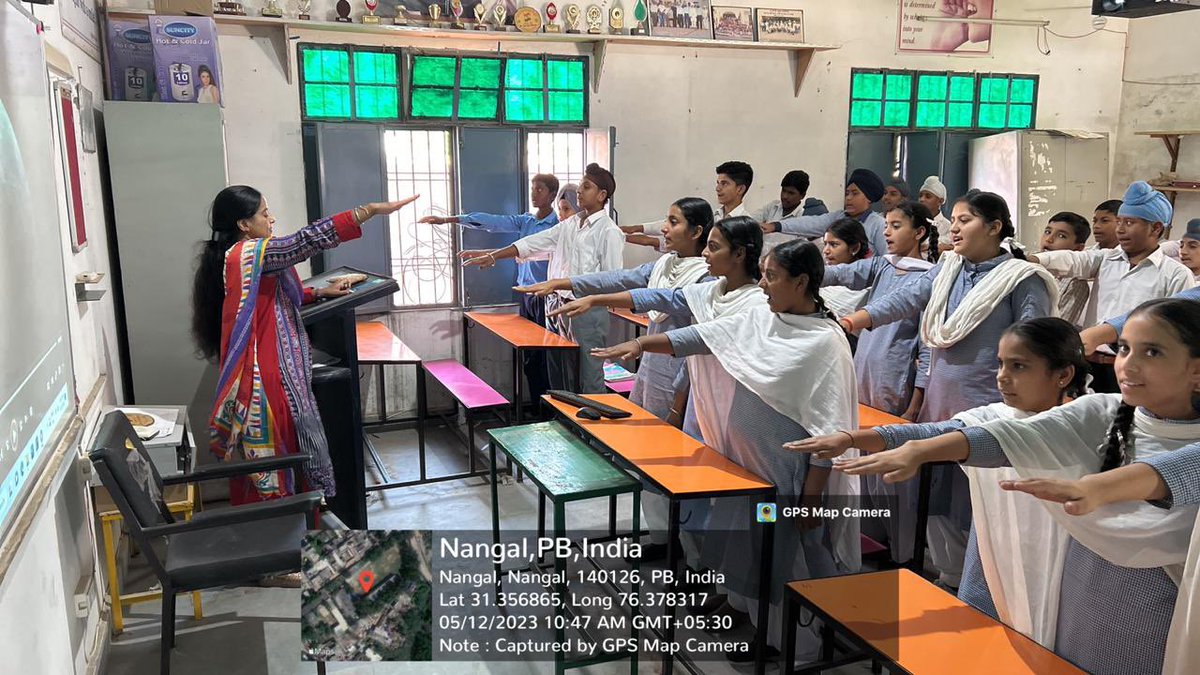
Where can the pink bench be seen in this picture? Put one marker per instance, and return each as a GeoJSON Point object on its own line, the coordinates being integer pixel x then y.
{"type": "Point", "coordinates": [622, 387]}
{"type": "Point", "coordinates": [466, 387]}
{"type": "Point", "coordinates": [473, 394]}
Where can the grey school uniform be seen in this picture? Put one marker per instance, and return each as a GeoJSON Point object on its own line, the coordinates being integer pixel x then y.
{"type": "Point", "coordinates": [959, 378]}
{"type": "Point", "coordinates": [1113, 620]}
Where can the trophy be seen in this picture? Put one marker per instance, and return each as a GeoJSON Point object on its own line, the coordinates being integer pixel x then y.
{"type": "Point", "coordinates": [571, 18]}
{"type": "Point", "coordinates": [272, 10]}
{"type": "Point", "coordinates": [528, 20]}
{"type": "Point", "coordinates": [456, 8]}
{"type": "Point", "coordinates": [594, 18]}
{"type": "Point", "coordinates": [370, 17]}
{"type": "Point", "coordinates": [639, 18]}
{"type": "Point", "coordinates": [401, 18]}
{"type": "Point", "coordinates": [480, 12]}
{"type": "Point", "coordinates": [343, 10]}
{"type": "Point", "coordinates": [499, 15]}
{"type": "Point", "coordinates": [551, 12]}
{"type": "Point", "coordinates": [616, 19]}
{"type": "Point", "coordinates": [303, 7]}
{"type": "Point", "coordinates": [232, 8]}
{"type": "Point", "coordinates": [435, 13]}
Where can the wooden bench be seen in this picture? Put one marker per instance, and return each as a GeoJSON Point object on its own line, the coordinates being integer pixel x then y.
{"type": "Point", "coordinates": [622, 387]}
{"type": "Point", "coordinates": [904, 622]}
{"type": "Point", "coordinates": [564, 469]}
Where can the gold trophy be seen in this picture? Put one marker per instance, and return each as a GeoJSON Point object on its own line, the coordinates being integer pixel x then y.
{"type": "Point", "coordinates": [401, 19]}
{"type": "Point", "coordinates": [551, 13]}
{"type": "Point", "coordinates": [571, 18]}
{"type": "Point", "coordinates": [594, 18]}
{"type": "Point", "coordinates": [480, 13]}
{"type": "Point", "coordinates": [272, 10]}
{"type": "Point", "coordinates": [616, 19]}
{"type": "Point", "coordinates": [435, 13]}
{"type": "Point", "coordinates": [305, 6]}
{"type": "Point", "coordinates": [500, 15]}
{"type": "Point", "coordinates": [456, 9]}
{"type": "Point", "coordinates": [370, 17]}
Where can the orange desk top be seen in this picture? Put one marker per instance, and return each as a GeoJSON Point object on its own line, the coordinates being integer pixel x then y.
{"type": "Point", "coordinates": [924, 629]}
{"type": "Point", "coordinates": [628, 315]}
{"type": "Point", "coordinates": [520, 332]}
{"type": "Point", "coordinates": [869, 417]}
{"type": "Point", "coordinates": [377, 344]}
{"type": "Point", "coordinates": [678, 463]}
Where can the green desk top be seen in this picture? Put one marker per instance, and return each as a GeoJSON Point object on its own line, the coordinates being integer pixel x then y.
{"type": "Point", "coordinates": [560, 462]}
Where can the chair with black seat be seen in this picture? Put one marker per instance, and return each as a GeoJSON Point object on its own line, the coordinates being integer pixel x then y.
{"type": "Point", "coordinates": [220, 547]}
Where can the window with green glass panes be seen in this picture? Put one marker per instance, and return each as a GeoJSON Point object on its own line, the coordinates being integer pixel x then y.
{"type": "Point", "coordinates": [567, 90]}
{"type": "Point", "coordinates": [432, 86]}
{"type": "Point", "coordinates": [524, 90]}
{"type": "Point", "coordinates": [479, 89]}
{"type": "Point", "coordinates": [326, 90]}
{"type": "Point", "coordinates": [939, 100]}
{"type": "Point", "coordinates": [345, 83]}
{"type": "Point", "coordinates": [866, 99]}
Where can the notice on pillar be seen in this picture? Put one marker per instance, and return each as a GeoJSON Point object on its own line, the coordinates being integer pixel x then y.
{"type": "Point", "coordinates": [952, 30]}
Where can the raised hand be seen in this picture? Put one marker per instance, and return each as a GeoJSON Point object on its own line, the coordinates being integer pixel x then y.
{"type": "Point", "coordinates": [544, 288]}
{"type": "Point", "coordinates": [434, 220]}
{"type": "Point", "coordinates": [823, 447]}
{"type": "Point", "coordinates": [631, 229]}
{"type": "Point", "coordinates": [894, 465]}
{"type": "Point", "coordinates": [388, 208]}
{"type": "Point", "coordinates": [573, 308]}
{"type": "Point", "coordinates": [623, 351]}
{"type": "Point", "coordinates": [1072, 494]}
{"type": "Point", "coordinates": [483, 259]}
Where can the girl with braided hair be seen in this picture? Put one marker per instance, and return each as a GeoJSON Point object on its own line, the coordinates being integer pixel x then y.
{"type": "Point", "coordinates": [1102, 585]}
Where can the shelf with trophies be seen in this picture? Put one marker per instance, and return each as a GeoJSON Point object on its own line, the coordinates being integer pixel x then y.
{"type": "Point", "coordinates": [534, 21]}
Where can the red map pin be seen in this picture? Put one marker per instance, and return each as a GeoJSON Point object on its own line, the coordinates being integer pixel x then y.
{"type": "Point", "coordinates": [366, 579]}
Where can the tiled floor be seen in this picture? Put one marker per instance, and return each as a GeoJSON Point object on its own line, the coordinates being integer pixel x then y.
{"type": "Point", "coordinates": [255, 631]}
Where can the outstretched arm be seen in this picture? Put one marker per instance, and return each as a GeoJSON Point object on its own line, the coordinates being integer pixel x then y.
{"type": "Point", "coordinates": [1133, 482]}
{"type": "Point", "coordinates": [284, 252]}
{"type": "Point", "coordinates": [585, 304]}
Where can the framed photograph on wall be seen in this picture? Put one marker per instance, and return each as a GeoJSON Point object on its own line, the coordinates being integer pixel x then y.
{"type": "Point", "coordinates": [680, 18]}
{"type": "Point", "coordinates": [779, 25]}
{"type": "Point", "coordinates": [733, 23]}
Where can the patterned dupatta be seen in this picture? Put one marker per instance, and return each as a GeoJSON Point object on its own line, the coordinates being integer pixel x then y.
{"type": "Point", "coordinates": [251, 410]}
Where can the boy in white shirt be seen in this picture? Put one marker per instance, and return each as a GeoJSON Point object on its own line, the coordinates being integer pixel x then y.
{"type": "Point", "coordinates": [933, 196]}
{"type": "Point", "coordinates": [733, 181]}
{"type": "Point", "coordinates": [1126, 276]}
{"type": "Point", "coordinates": [585, 243]}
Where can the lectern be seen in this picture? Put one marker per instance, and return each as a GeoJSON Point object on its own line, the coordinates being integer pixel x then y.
{"type": "Point", "coordinates": [330, 325]}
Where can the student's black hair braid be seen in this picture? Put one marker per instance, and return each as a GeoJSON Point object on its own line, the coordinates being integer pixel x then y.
{"type": "Point", "coordinates": [803, 257]}
{"type": "Point", "coordinates": [745, 233]}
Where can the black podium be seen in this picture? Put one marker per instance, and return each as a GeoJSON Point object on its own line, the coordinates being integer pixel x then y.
{"type": "Point", "coordinates": [330, 325]}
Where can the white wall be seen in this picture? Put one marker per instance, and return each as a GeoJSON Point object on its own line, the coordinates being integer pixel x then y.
{"type": "Point", "coordinates": [38, 630]}
{"type": "Point", "coordinates": [1160, 92]}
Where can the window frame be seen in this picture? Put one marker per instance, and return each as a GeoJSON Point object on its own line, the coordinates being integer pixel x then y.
{"type": "Point", "coordinates": [915, 101]}
{"type": "Point", "coordinates": [350, 50]}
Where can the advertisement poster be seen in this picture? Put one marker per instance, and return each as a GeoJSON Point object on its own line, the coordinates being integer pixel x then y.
{"type": "Point", "coordinates": [79, 25]}
{"type": "Point", "coordinates": [954, 35]}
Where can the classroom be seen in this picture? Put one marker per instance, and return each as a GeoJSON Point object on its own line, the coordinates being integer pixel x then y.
{"type": "Point", "coordinates": [622, 336]}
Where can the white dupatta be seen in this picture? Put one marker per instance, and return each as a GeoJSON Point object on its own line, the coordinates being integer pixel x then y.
{"type": "Point", "coordinates": [941, 332]}
{"type": "Point", "coordinates": [709, 301]}
{"type": "Point", "coordinates": [671, 271]}
{"type": "Point", "coordinates": [801, 366]}
{"type": "Point", "coordinates": [1067, 442]}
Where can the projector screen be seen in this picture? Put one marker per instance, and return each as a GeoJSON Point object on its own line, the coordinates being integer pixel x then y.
{"type": "Point", "coordinates": [36, 383]}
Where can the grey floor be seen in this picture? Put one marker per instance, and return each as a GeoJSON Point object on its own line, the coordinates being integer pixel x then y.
{"type": "Point", "coordinates": [256, 631]}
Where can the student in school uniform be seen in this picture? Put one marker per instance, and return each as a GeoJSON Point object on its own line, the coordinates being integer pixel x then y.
{"type": "Point", "coordinates": [965, 303]}
{"type": "Point", "coordinates": [793, 200]}
{"type": "Point", "coordinates": [588, 242]}
{"type": "Point", "coordinates": [1120, 573]}
{"type": "Point", "coordinates": [844, 242]}
{"type": "Point", "coordinates": [1189, 248]}
{"type": "Point", "coordinates": [1104, 224]}
{"type": "Point", "coordinates": [1041, 366]}
{"type": "Point", "coordinates": [886, 358]}
{"type": "Point", "coordinates": [566, 204]}
{"type": "Point", "coordinates": [1067, 231]}
{"type": "Point", "coordinates": [863, 188]}
{"type": "Point", "coordinates": [1126, 276]}
{"type": "Point", "coordinates": [780, 372]}
{"type": "Point", "coordinates": [893, 193]}
{"type": "Point", "coordinates": [543, 188]}
{"type": "Point", "coordinates": [933, 196]}
{"type": "Point", "coordinates": [734, 179]}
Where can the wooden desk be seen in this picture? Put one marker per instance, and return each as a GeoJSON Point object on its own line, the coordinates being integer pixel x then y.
{"type": "Point", "coordinates": [640, 321]}
{"type": "Point", "coordinates": [181, 500]}
{"type": "Point", "coordinates": [681, 468]}
{"type": "Point", "coordinates": [520, 334]}
{"type": "Point", "coordinates": [379, 347]}
{"type": "Point", "coordinates": [904, 621]}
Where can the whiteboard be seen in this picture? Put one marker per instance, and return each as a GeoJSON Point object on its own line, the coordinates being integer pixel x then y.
{"type": "Point", "coordinates": [37, 393]}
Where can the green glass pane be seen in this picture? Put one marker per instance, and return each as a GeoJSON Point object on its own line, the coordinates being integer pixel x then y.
{"type": "Point", "coordinates": [1022, 90]}
{"type": "Point", "coordinates": [896, 113]}
{"type": "Point", "coordinates": [523, 74]}
{"type": "Point", "coordinates": [437, 71]}
{"type": "Point", "coordinates": [865, 113]}
{"type": "Point", "coordinates": [326, 65]}
{"type": "Point", "coordinates": [523, 106]}
{"type": "Point", "coordinates": [993, 90]}
{"type": "Point", "coordinates": [376, 103]}
{"type": "Point", "coordinates": [992, 115]}
{"type": "Point", "coordinates": [480, 74]}
{"type": "Point", "coordinates": [566, 106]}
{"type": "Point", "coordinates": [867, 85]}
{"type": "Point", "coordinates": [566, 75]}
{"type": "Point", "coordinates": [432, 102]}
{"type": "Point", "coordinates": [326, 100]}
{"type": "Point", "coordinates": [931, 115]}
{"type": "Point", "coordinates": [962, 88]}
{"type": "Point", "coordinates": [932, 87]}
{"type": "Point", "coordinates": [478, 104]}
{"type": "Point", "coordinates": [374, 68]}
{"type": "Point", "coordinates": [1020, 116]}
{"type": "Point", "coordinates": [899, 87]}
{"type": "Point", "coordinates": [959, 115]}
